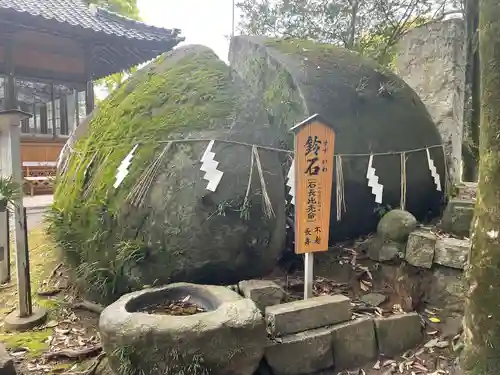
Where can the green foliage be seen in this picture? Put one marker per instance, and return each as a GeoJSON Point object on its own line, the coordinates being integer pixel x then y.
{"type": "Point", "coordinates": [9, 191]}
{"type": "Point", "coordinates": [379, 44]}
{"type": "Point", "coordinates": [172, 363]}
{"type": "Point", "coordinates": [101, 235]}
{"type": "Point", "coordinates": [369, 27]}
{"type": "Point", "coordinates": [126, 8]}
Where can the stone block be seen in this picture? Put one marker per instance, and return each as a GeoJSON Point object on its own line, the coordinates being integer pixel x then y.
{"type": "Point", "coordinates": [457, 217]}
{"type": "Point", "coordinates": [301, 353]}
{"type": "Point", "coordinates": [373, 299]}
{"type": "Point", "coordinates": [354, 343]}
{"type": "Point", "coordinates": [263, 292]}
{"type": "Point", "coordinates": [298, 316]}
{"type": "Point", "coordinates": [6, 362]}
{"type": "Point", "coordinates": [383, 250]}
{"type": "Point", "coordinates": [420, 249]}
{"type": "Point", "coordinates": [447, 290]}
{"type": "Point", "coordinates": [452, 252]}
{"type": "Point", "coordinates": [398, 333]}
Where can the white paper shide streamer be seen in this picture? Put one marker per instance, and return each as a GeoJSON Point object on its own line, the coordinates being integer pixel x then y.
{"type": "Point", "coordinates": [432, 168]}
{"type": "Point", "coordinates": [209, 166]}
{"type": "Point", "coordinates": [377, 188]}
{"type": "Point", "coordinates": [290, 182]}
{"type": "Point", "coordinates": [122, 170]}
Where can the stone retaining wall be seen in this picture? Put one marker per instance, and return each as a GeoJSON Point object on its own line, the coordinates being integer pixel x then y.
{"type": "Point", "coordinates": [425, 249]}
{"type": "Point", "coordinates": [322, 333]}
{"type": "Point", "coordinates": [421, 263]}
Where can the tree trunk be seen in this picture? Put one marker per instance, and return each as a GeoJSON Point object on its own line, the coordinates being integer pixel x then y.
{"type": "Point", "coordinates": [472, 105]}
{"type": "Point", "coordinates": [482, 315]}
{"type": "Point", "coordinates": [352, 26]}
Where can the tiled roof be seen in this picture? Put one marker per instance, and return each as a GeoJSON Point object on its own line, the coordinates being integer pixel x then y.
{"type": "Point", "coordinates": [77, 14]}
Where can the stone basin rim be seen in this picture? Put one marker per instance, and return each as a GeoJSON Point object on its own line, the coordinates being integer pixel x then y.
{"type": "Point", "coordinates": [223, 299]}
{"type": "Point", "coordinates": [198, 296]}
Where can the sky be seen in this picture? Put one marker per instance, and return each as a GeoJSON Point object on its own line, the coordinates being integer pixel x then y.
{"type": "Point", "coordinates": [206, 22]}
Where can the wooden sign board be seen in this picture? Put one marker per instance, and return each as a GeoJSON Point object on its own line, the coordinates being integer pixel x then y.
{"type": "Point", "coordinates": [314, 163]}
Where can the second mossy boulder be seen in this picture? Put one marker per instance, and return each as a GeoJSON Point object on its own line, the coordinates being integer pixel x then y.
{"type": "Point", "coordinates": [372, 110]}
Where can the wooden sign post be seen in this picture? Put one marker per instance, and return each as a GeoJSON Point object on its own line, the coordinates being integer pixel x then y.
{"type": "Point", "coordinates": [314, 150]}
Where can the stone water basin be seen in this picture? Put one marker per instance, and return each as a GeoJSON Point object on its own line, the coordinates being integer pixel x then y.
{"type": "Point", "coordinates": [220, 333]}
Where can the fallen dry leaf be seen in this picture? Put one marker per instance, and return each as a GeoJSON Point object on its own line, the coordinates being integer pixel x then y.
{"type": "Point", "coordinates": [420, 367]}
{"type": "Point", "coordinates": [431, 344]}
{"type": "Point", "coordinates": [442, 344]}
{"type": "Point", "coordinates": [389, 362]}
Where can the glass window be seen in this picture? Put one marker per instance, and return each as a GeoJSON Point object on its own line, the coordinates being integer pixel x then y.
{"type": "Point", "coordinates": [53, 112]}
{"type": "Point", "coordinates": [49, 118]}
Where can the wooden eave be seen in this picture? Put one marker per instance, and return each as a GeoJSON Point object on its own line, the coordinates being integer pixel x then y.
{"type": "Point", "coordinates": [102, 54]}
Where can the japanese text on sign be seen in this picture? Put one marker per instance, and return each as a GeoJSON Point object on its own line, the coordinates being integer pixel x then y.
{"type": "Point", "coordinates": [314, 153]}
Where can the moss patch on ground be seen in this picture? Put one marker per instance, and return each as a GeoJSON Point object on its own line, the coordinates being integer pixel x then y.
{"type": "Point", "coordinates": [186, 90]}
{"type": "Point", "coordinates": [36, 342]}
{"type": "Point", "coordinates": [43, 259]}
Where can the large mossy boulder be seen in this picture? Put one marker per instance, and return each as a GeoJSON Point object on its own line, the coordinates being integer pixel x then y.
{"type": "Point", "coordinates": [372, 110]}
{"type": "Point", "coordinates": [162, 224]}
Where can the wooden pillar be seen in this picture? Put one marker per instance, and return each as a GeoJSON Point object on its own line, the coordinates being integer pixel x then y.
{"type": "Point", "coordinates": [53, 104]}
{"type": "Point", "coordinates": [89, 97]}
{"type": "Point", "coordinates": [10, 80]}
{"type": "Point", "coordinates": [10, 102]}
{"type": "Point", "coordinates": [77, 107]}
{"type": "Point", "coordinates": [10, 137]}
{"type": "Point", "coordinates": [5, 274]}
{"type": "Point", "coordinates": [89, 89]}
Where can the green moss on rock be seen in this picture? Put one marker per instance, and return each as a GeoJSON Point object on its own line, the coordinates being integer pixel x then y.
{"type": "Point", "coordinates": [372, 110]}
{"type": "Point", "coordinates": [116, 245]}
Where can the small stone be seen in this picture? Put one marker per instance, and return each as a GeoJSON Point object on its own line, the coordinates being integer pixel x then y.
{"type": "Point", "coordinates": [373, 299]}
{"type": "Point", "coordinates": [354, 343]}
{"type": "Point", "coordinates": [6, 362]}
{"type": "Point", "coordinates": [398, 333]}
{"type": "Point", "coordinates": [301, 353]}
{"type": "Point", "coordinates": [263, 292]}
{"type": "Point", "coordinates": [396, 225]}
{"type": "Point", "coordinates": [442, 344]}
{"type": "Point", "coordinates": [298, 316]}
{"type": "Point", "coordinates": [452, 326]}
{"type": "Point", "coordinates": [457, 217]}
{"type": "Point", "coordinates": [452, 252]}
{"type": "Point", "coordinates": [381, 250]}
{"type": "Point", "coordinates": [420, 249]}
{"type": "Point", "coordinates": [431, 343]}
